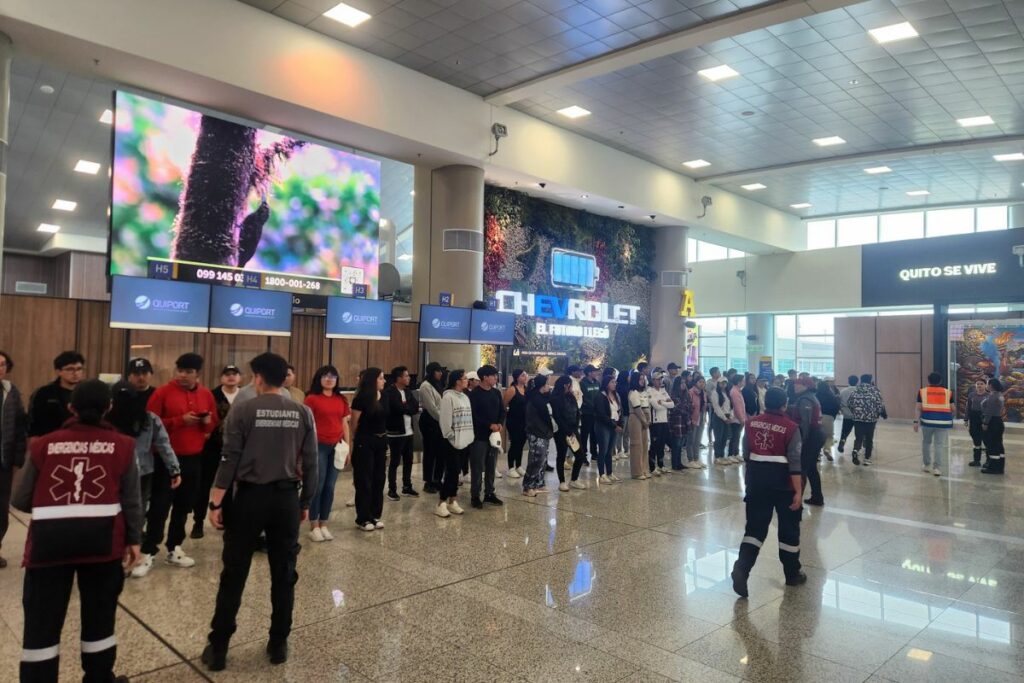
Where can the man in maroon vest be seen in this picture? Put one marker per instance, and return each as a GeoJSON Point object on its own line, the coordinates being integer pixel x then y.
{"type": "Point", "coordinates": [81, 485]}
{"type": "Point", "coordinates": [771, 449]}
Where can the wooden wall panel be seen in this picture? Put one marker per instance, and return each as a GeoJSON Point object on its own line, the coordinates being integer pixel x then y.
{"type": "Point", "coordinates": [30, 269]}
{"type": "Point", "coordinates": [897, 379]}
{"type": "Point", "coordinates": [102, 346]}
{"type": "Point", "coordinates": [34, 330]}
{"type": "Point", "coordinates": [162, 349]}
{"type": "Point", "coordinates": [899, 334]}
{"type": "Point", "coordinates": [855, 347]}
{"type": "Point", "coordinates": [308, 349]}
{"type": "Point", "coordinates": [351, 356]}
{"type": "Point", "coordinates": [403, 349]}
{"type": "Point", "coordinates": [87, 276]}
{"type": "Point", "coordinates": [223, 349]}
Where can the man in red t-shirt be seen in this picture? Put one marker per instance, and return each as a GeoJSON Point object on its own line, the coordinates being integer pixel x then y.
{"type": "Point", "coordinates": [189, 413]}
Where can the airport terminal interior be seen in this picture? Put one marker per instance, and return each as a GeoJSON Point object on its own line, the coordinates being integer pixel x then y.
{"type": "Point", "coordinates": [693, 328]}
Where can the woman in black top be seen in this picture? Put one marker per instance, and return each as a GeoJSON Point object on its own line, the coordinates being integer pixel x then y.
{"type": "Point", "coordinates": [515, 422]}
{"type": "Point", "coordinates": [566, 413]}
{"type": "Point", "coordinates": [538, 434]}
{"type": "Point", "coordinates": [369, 418]}
{"type": "Point", "coordinates": [828, 397]}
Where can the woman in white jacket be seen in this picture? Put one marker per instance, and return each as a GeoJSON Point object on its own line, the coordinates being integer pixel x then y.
{"type": "Point", "coordinates": [661, 403]}
{"type": "Point", "coordinates": [639, 426]}
{"type": "Point", "coordinates": [721, 417]}
{"type": "Point", "coordinates": [456, 422]}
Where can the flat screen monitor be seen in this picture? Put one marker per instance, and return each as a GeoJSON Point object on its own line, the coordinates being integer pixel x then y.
{"type": "Point", "coordinates": [138, 303]}
{"type": "Point", "coordinates": [235, 310]}
{"type": "Point", "coordinates": [199, 197]}
{"type": "Point", "coordinates": [444, 324]}
{"type": "Point", "coordinates": [492, 327]}
{"type": "Point", "coordinates": [358, 318]}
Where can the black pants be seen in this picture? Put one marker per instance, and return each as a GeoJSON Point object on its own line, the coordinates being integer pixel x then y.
{"type": "Point", "coordinates": [45, 597]}
{"type": "Point", "coordinates": [180, 502]}
{"type": "Point", "coordinates": [760, 505]}
{"type": "Point", "coordinates": [452, 456]}
{"type": "Point", "coordinates": [516, 444]}
{"type": "Point", "coordinates": [864, 435]}
{"type": "Point", "coordinates": [974, 420]}
{"type": "Point", "coordinates": [994, 452]}
{"type": "Point", "coordinates": [433, 450]}
{"type": "Point", "coordinates": [561, 451]}
{"type": "Point", "coordinates": [847, 428]}
{"type": "Point", "coordinates": [401, 451]}
{"type": "Point", "coordinates": [271, 509]}
{"type": "Point", "coordinates": [145, 490]}
{"type": "Point", "coordinates": [6, 483]}
{"type": "Point", "coordinates": [809, 449]}
{"type": "Point", "coordinates": [209, 462]}
{"type": "Point", "coordinates": [368, 462]}
{"type": "Point", "coordinates": [587, 436]}
{"type": "Point", "coordinates": [659, 440]}
{"type": "Point", "coordinates": [719, 436]}
{"type": "Point", "coordinates": [735, 429]}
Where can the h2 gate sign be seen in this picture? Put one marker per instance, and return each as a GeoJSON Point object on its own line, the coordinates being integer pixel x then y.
{"type": "Point", "coordinates": [985, 267]}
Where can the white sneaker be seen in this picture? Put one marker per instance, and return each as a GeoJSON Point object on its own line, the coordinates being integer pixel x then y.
{"type": "Point", "coordinates": [615, 480]}
{"type": "Point", "coordinates": [366, 527]}
{"type": "Point", "coordinates": [143, 567]}
{"type": "Point", "coordinates": [563, 486]}
{"type": "Point", "coordinates": [701, 465]}
{"type": "Point", "coordinates": [693, 465]}
{"type": "Point", "coordinates": [498, 475]}
{"type": "Point", "coordinates": [328, 536]}
{"type": "Point", "coordinates": [178, 558]}
{"type": "Point", "coordinates": [665, 470]}
{"type": "Point", "coordinates": [455, 508]}
{"type": "Point", "coordinates": [656, 472]}
{"type": "Point", "coordinates": [513, 474]}
{"type": "Point", "coordinates": [723, 462]}
{"type": "Point", "coordinates": [442, 510]}
{"type": "Point", "coordinates": [736, 459]}
{"type": "Point", "coordinates": [578, 485]}
{"type": "Point", "coordinates": [379, 524]}
{"type": "Point", "coordinates": [521, 471]}
{"type": "Point", "coordinates": [926, 468]}
{"type": "Point", "coordinates": [605, 479]}
{"type": "Point", "coordinates": [350, 503]}
{"type": "Point", "coordinates": [316, 535]}
{"type": "Point", "coordinates": [937, 472]}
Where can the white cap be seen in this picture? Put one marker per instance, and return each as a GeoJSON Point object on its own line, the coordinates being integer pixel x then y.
{"type": "Point", "coordinates": [495, 439]}
{"type": "Point", "coordinates": [545, 372]}
{"type": "Point", "coordinates": [472, 375]}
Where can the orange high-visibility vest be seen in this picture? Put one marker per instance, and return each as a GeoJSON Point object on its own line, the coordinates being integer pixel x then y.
{"type": "Point", "coordinates": [936, 408]}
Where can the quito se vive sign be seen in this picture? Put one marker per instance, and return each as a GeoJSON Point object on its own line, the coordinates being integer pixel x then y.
{"type": "Point", "coordinates": [977, 268]}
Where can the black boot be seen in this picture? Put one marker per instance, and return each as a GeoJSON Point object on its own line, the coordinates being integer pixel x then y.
{"type": "Point", "coordinates": [215, 660]}
{"type": "Point", "coordinates": [739, 580]}
{"type": "Point", "coordinates": [977, 458]}
{"type": "Point", "coordinates": [277, 651]}
{"type": "Point", "coordinates": [797, 579]}
{"type": "Point", "coordinates": [197, 530]}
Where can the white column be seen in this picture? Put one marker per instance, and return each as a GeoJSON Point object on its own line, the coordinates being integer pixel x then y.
{"type": "Point", "coordinates": [762, 326]}
{"type": "Point", "coordinates": [668, 330]}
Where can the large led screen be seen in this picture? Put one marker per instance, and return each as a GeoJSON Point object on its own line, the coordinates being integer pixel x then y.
{"type": "Point", "coordinates": [201, 198]}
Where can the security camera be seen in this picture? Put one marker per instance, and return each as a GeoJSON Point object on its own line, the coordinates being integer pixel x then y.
{"type": "Point", "coordinates": [652, 216]}
{"type": "Point", "coordinates": [542, 185]}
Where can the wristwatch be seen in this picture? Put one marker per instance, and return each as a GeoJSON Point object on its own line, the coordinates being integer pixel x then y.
{"type": "Point", "coordinates": [213, 506]}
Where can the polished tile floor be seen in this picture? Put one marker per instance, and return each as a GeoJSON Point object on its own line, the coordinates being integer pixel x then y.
{"type": "Point", "coordinates": [911, 578]}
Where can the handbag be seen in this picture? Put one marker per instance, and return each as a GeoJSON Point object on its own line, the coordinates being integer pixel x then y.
{"type": "Point", "coordinates": [341, 455]}
{"type": "Point", "coordinates": [573, 442]}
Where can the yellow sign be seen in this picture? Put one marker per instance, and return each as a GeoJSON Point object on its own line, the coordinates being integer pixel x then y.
{"type": "Point", "coordinates": [686, 308]}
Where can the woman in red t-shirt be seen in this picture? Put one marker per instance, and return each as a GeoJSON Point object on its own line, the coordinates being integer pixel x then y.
{"type": "Point", "coordinates": [330, 412]}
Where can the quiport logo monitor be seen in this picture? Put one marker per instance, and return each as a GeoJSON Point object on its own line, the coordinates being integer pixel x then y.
{"type": "Point", "coordinates": [139, 303]}
{"type": "Point", "coordinates": [492, 327]}
{"type": "Point", "coordinates": [349, 318]}
{"type": "Point", "coordinates": [235, 310]}
{"type": "Point", "coordinates": [445, 324]}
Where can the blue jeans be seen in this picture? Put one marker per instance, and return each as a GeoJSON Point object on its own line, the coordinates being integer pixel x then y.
{"type": "Point", "coordinates": [934, 441]}
{"type": "Point", "coordinates": [675, 445]}
{"type": "Point", "coordinates": [327, 475]}
{"type": "Point", "coordinates": [604, 436]}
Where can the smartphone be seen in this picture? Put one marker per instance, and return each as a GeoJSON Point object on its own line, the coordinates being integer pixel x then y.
{"type": "Point", "coordinates": [201, 415]}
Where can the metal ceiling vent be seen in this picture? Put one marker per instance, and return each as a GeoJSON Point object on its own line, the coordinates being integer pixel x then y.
{"type": "Point", "coordinates": [463, 240]}
{"type": "Point", "coordinates": [673, 278]}
{"type": "Point", "coordinates": [24, 287]}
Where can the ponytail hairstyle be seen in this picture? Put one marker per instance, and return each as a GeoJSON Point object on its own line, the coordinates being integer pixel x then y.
{"type": "Point", "coordinates": [91, 401]}
{"type": "Point", "coordinates": [454, 376]}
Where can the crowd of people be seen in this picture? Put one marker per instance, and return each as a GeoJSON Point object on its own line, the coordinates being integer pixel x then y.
{"type": "Point", "coordinates": [183, 450]}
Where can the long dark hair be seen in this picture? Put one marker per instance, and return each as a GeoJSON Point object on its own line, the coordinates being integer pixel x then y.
{"type": "Point", "coordinates": [515, 376]}
{"type": "Point", "coordinates": [454, 376]}
{"type": "Point", "coordinates": [366, 393]}
{"type": "Point", "coordinates": [722, 394]}
{"type": "Point", "coordinates": [91, 401]}
{"type": "Point", "coordinates": [561, 385]}
{"type": "Point", "coordinates": [605, 381]}
{"type": "Point", "coordinates": [634, 381]}
{"type": "Point", "coordinates": [128, 413]}
{"type": "Point", "coordinates": [315, 386]}
{"type": "Point", "coordinates": [678, 386]}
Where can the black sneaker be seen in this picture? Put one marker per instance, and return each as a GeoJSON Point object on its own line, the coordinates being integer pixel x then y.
{"type": "Point", "coordinates": [856, 458]}
{"type": "Point", "coordinates": [974, 463]}
{"type": "Point", "coordinates": [493, 500]}
{"type": "Point", "coordinates": [278, 651]}
{"type": "Point", "coordinates": [393, 496]}
{"type": "Point", "coordinates": [197, 530]}
{"type": "Point", "coordinates": [820, 502]}
{"type": "Point", "coordinates": [842, 445]}
{"type": "Point", "coordinates": [739, 581]}
{"type": "Point", "coordinates": [429, 488]}
{"type": "Point", "coordinates": [410, 491]}
{"type": "Point", "coordinates": [549, 468]}
{"type": "Point", "coordinates": [215, 660]}
{"type": "Point", "coordinates": [477, 503]}
{"type": "Point", "coordinates": [798, 580]}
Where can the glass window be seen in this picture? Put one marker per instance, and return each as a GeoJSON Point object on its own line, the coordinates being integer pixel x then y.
{"type": "Point", "coordinates": [821, 234]}
{"type": "Point", "coordinates": [691, 250]}
{"type": "Point", "coordinates": [712, 326]}
{"type": "Point", "coordinates": [901, 226]}
{"type": "Point", "coordinates": [824, 323]}
{"type": "Point", "coordinates": [785, 343]}
{"type": "Point", "coordinates": [856, 230]}
{"type": "Point", "coordinates": [722, 342]}
{"type": "Point", "coordinates": [992, 218]}
{"type": "Point", "coordinates": [950, 222]}
{"type": "Point", "coordinates": [736, 253]}
{"type": "Point", "coordinates": [711, 252]}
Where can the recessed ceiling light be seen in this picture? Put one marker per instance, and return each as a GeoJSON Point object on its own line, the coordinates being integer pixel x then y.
{"type": "Point", "coordinates": [887, 34]}
{"type": "Point", "coordinates": [753, 186]}
{"type": "Point", "coordinates": [90, 167]}
{"type": "Point", "coordinates": [829, 141]}
{"type": "Point", "coordinates": [718, 73]}
{"type": "Point", "coordinates": [853, 81]}
{"type": "Point", "coordinates": [875, 170]}
{"type": "Point", "coordinates": [347, 14]}
{"type": "Point", "coordinates": [107, 116]}
{"type": "Point", "coordinates": [696, 163]}
{"type": "Point", "coordinates": [919, 654]}
{"type": "Point", "coordinates": [1016, 156]}
{"type": "Point", "coordinates": [46, 89]}
{"type": "Point", "coordinates": [48, 227]}
{"type": "Point", "coordinates": [573, 112]}
{"type": "Point", "coordinates": [972, 121]}
{"type": "Point", "coordinates": [584, 196]}
{"type": "Point", "coordinates": [65, 205]}
{"type": "Point", "coordinates": [801, 205]}
{"type": "Point", "coordinates": [918, 193]}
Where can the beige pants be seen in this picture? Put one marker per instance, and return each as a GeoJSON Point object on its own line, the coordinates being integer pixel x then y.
{"type": "Point", "coordinates": [639, 443]}
{"type": "Point", "coordinates": [828, 428]}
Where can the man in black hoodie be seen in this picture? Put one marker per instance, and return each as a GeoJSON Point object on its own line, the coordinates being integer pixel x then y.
{"type": "Point", "coordinates": [488, 414]}
{"type": "Point", "coordinates": [402, 407]}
